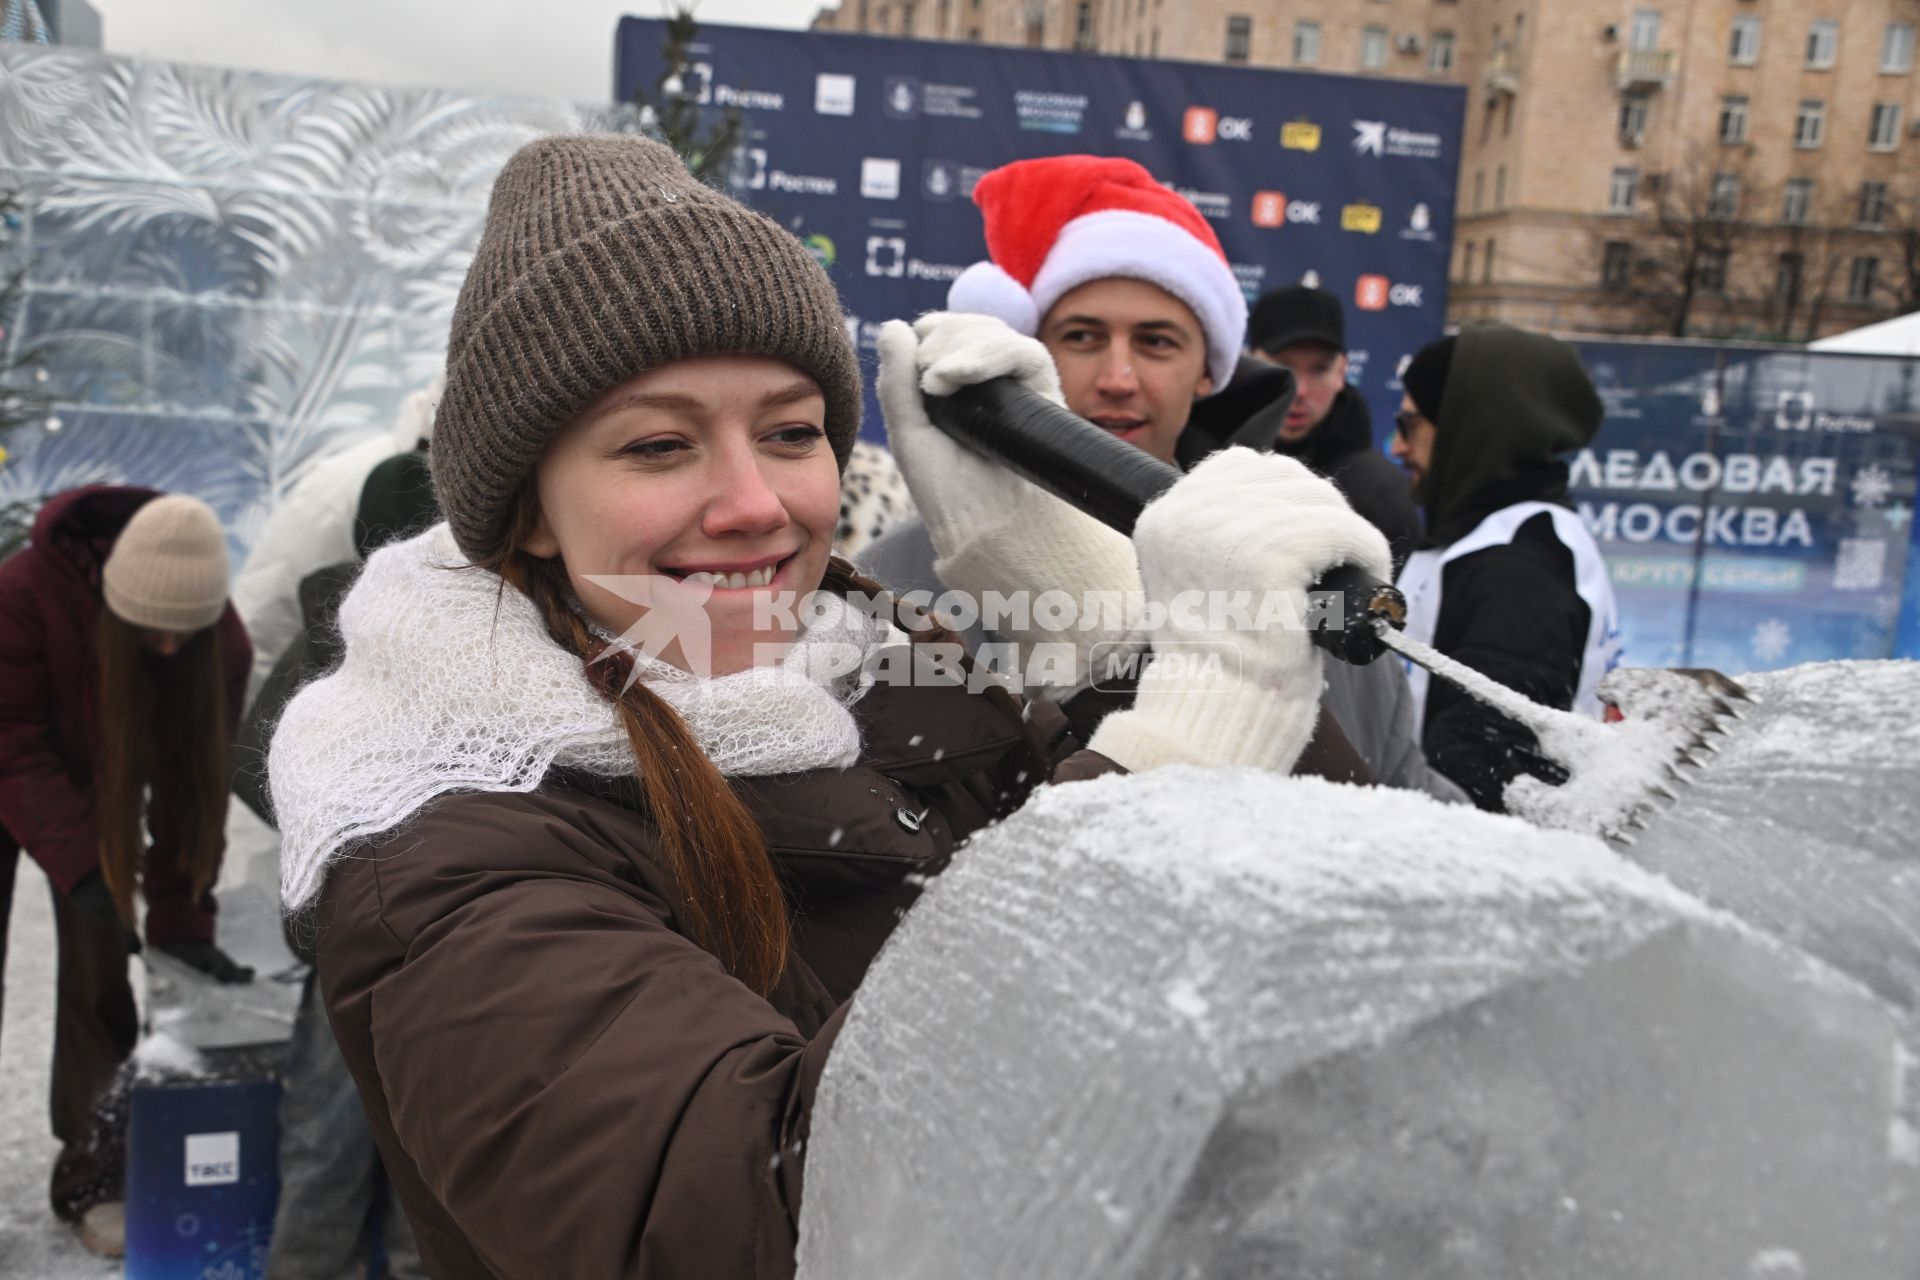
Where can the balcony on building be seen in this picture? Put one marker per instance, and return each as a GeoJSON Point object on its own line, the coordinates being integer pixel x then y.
{"type": "Point", "coordinates": [1502, 73]}
{"type": "Point", "coordinates": [1645, 69]}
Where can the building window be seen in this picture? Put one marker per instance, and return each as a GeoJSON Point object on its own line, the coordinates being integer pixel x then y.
{"type": "Point", "coordinates": [1083, 26]}
{"type": "Point", "coordinates": [1810, 124]}
{"type": "Point", "coordinates": [1644, 33]}
{"type": "Point", "coordinates": [1723, 197]}
{"type": "Point", "coordinates": [1479, 188]}
{"type": "Point", "coordinates": [1797, 208]}
{"type": "Point", "coordinates": [1861, 280]}
{"type": "Point", "coordinates": [1873, 204]}
{"type": "Point", "coordinates": [1239, 38]}
{"type": "Point", "coordinates": [1883, 134]}
{"type": "Point", "coordinates": [1486, 272]}
{"type": "Point", "coordinates": [1788, 274]}
{"type": "Point", "coordinates": [1896, 50]}
{"type": "Point", "coordinates": [1615, 264]}
{"type": "Point", "coordinates": [1823, 43]}
{"type": "Point", "coordinates": [1745, 50]}
{"type": "Point", "coordinates": [1633, 115]}
{"type": "Point", "coordinates": [1306, 43]}
{"type": "Point", "coordinates": [1467, 275]}
{"type": "Point", "coordinates": [1621, 190]}
{"type": "Point", "coordinates": [1733, 118]}
{"type": "Point", "coordinates": [1373, 48]}
{"type": "Point", "coordinates": [1486, 121]}
{"type": "Point", "coordinates": [1506, 117]}
{"type": "Point", "coordinates": [1500, 187]}
{"type": "Point", "coordinates": [906, 19]}
{"type": "Point", "coordinates": [1440, 51]}
{"type": "Point", "coordinates": [1710, 271]}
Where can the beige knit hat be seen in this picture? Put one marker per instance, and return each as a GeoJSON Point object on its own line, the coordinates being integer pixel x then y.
{"type": "Point", "coordinates": [168, 568]}
{"type": "Point", "coordinates": [603, 258]}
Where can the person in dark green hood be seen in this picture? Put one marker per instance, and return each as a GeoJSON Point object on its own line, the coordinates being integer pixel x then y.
{"type": "Point", "coordinates": [1507, 579]}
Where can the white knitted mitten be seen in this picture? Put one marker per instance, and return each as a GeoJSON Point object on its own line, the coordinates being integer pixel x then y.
{"type": "Point", "coordinates": [991, 530]}
{"type": "Point", "coordinates": [1240, 522]}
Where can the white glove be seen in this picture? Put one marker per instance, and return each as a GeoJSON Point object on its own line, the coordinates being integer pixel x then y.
{"type": "Point", "coordinates": [991, 530]}
{"type": "Point", "coordinates": [1240, 522]}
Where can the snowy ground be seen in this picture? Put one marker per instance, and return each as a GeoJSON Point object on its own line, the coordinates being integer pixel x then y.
{"type": "Point", "coordinates": [34, 1245]}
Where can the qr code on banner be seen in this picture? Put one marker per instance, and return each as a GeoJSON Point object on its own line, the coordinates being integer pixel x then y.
{"type": "Point", "coordinates": [1861, 564]}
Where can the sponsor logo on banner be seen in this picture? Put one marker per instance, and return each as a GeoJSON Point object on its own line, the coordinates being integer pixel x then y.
{"type": "Point", "coordinates": [1252, 277]}
{"type": "Point", "coordinates": [1378, 138]}
{"type": "Point", "coordinates": [1134, 128]}
{"type": "Point", "coordinates": [908, 96]}
{"type": "Point", "coordinates": [1364, 218]}
{"type": "Point", "coordinates": [822, 250]}
{"type": "Point", "coordinates": [698, 84]}
{"type": "Point", "coordinates": [1795, 411]}
{"type": "Point", "coordinates": [762, 178]}
{"type": "Point", "coordinates": [880, 178]}
{"type": "Point", "coordinates": [945, 179]}
{"type": "Point", "coordinates": [1356, 365]}
{"type": "Point", "coordinates": [1311, 279]}
{"type": "Point", "coordinates": [1204, 125]}
{"type": "Point", "coordinates": [1272, 208]}
{"type": "Point", "coordinates": [1046, 112]}
{"type": "Point", "coordinates": [863, 334]}
{"type": "Point", "coordinates": [1419, 225]}
{"type": "Point", "coordinates": [833, 94]}
{"type": "Point", "coordinates": [887, 257]}
{"type": "Point", "coordinates": [1217, 205]}
{"type": "Point", "coordinates": [1300, 135]}
{"type": "Point", "coordinates": [213, 1159]}
{"type": "Point", "coordinates": [1370, 293]}
{"type": "Point", "coordinates": [902, 98]}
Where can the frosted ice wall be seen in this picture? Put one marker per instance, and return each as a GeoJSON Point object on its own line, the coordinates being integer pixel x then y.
{"type": "Point", "coordinates": [232, 272]}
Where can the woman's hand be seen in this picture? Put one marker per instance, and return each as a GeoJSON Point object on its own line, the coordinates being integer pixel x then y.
{"type": "Point", "coordinates": [1241, 538]}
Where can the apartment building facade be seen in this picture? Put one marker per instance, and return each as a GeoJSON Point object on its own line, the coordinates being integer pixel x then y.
{"type": "Point", "coordinates": [1723, 168]}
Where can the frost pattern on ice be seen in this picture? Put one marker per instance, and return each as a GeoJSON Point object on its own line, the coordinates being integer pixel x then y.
{"type": "Point", "coordinates": [1222, 1024]}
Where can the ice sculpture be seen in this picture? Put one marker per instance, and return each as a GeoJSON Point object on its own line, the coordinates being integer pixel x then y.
{"type": "Point", "coordinates": [1221, 1024]}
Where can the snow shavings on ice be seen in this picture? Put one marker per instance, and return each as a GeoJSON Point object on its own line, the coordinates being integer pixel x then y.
{"type": "Point", "coordinates": [160, 1054]}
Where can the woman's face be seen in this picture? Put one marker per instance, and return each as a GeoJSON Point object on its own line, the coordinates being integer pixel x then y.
{"type": "Point", "coordinates": [680, 496]}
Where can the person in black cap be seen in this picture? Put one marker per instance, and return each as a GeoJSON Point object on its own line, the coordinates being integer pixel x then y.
{"type": "Point", "coordinates": [1507, 579]}
{"type": "Point", "coordinates": [1328, 426]}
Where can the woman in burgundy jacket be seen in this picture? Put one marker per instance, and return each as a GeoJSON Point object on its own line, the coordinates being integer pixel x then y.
{"type": "Point", "coordinates": [122, 669]}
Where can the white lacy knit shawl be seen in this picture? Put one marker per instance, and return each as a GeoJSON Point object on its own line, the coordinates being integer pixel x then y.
{"type": "Point", "coordinates": [450, 683]}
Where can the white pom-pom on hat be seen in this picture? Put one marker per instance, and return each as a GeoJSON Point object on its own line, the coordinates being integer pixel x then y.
{"type": "Point", "coordinates": [985, 289]}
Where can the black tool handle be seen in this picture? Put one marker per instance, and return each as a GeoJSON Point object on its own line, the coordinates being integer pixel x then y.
{"type": "Point", "coordinates": [1112, 481]}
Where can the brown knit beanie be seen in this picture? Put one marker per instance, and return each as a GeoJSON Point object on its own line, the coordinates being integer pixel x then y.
{"type": "Point", "coordinates": [168, 567]}
{"type": "Point", "coordinates": [603, 258]}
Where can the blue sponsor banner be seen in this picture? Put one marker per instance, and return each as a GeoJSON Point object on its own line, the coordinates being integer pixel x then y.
{"type": "Point", "coordinates": [1755, 505]}
{"type": "Point", "coordinates": [869, 148]}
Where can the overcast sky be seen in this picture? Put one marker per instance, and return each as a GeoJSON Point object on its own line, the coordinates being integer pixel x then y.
{"type": "Point", "coordinates": [557, 48]}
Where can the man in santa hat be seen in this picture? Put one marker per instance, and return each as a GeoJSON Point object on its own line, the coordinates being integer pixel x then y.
{"type": "Point", "coordinates": [1138, 317]}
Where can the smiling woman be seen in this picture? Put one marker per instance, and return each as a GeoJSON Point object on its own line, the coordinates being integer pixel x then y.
{"type": "Point", "coordinates": [595, 848]}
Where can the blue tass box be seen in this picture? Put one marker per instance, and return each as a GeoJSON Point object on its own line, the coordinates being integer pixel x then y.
{"type": "Point", "coordinates": [203, 1170]}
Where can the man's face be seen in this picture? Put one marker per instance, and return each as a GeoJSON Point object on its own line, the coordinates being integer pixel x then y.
{"type": "Point", "coordinates": [1132, 358]}
{"type": "Point", "coordinates": [1413, 444]}
{"type": "Point", "coordinates": [1319, 374]}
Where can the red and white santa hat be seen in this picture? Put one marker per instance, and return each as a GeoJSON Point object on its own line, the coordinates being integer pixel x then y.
{"type": "Point", "coordinates": [1057, 223]}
